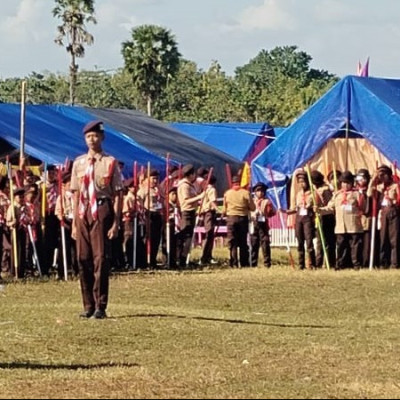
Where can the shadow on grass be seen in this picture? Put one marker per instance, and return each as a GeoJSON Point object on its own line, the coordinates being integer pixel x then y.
{"type": "Point", "coordinates": [227, 320]}
{"type": "Point", "coordinates": [72, 367]}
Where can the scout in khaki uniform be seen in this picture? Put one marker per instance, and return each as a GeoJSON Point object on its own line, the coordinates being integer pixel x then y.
{"type": "Point", "coordinates": [348, 205]}
{"type": "Point", "coordinates": [362, 181]}
{"type": "Point", "coordinates": [323, 194]}
{"type": "Point", "coordinates": [260, 236]}
{"type": "Point", "coordinates": [188, 199]}
{"type": "Point", "coordinates": [96, 183]}
{"type": "Point", "coordinates": [305, 221]}
{"type": "Point", "coordinates": [237, 206]}
{"type": "Point", "coordinates": [209, 214]}
{"type": "Point", "coordinates": [389, 204]}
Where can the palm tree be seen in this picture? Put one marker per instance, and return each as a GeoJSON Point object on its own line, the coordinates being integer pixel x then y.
{"type": "Point", "coordinates": [152, 58]}
{"type": "Point", "coordinates": [74, 14]}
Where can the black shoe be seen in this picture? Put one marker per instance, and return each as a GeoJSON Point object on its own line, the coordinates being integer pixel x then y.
{"type": "Point", "coordinates": [86, 314]}
{"type": "Point", "coordinates": [100, 314]}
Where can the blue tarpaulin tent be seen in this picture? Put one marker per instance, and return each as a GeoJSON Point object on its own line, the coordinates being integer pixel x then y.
{"type": "Point", "coordinates": [370, 105]}
{"type": "Point", "coordinates": [54, 132]}
{"type": "Point", "coordinates": [238, 139]}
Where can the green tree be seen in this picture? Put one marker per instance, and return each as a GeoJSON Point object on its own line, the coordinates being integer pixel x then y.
{"type": "Point", "coordinates": [74, 15]}
{"type": "Point", "coordinates": [152, 59]}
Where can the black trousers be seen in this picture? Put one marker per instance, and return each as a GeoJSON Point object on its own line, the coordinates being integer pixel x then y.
{"type": "Point", "coordinates": [305, 233]}
{"type": "Point", "coordinates": [185, 236]}
{"type": "Point", "coordinates": [349, 244]}
{"type": "Point", "coordinates": [238, 228]}
{"type": "Point", "coordinates": [389, 237]}
{"type": "Point", "coordinates": [209, 220]}
{"type": "Point", "coordinates": [260, 238]}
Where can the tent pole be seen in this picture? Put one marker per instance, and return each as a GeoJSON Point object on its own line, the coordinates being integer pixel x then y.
{"type": "Point", "coordinates": [347, 145]}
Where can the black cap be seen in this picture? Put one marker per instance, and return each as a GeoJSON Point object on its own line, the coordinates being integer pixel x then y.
{"type": "Point", "coordinates": [187, 170]}
{"type": "Point", "coordinates": [260, 186]}
{"type": "Point", "coordinates": [384, 169]}
{"type": "Point", "coordinates": [93, 126]}
{"type": "Point", "coordinates": [173, 189]}
{"type": "Point", "coordinates": [301, 174]}
{"type": "Point", "coordinates": [317, 178]}
{"type": "Point", "coordinates": [19, 191]}
{"type": "Point", "coordinates": [154, 172]}
{"type": "Point", "coordinates": [51, 167]}
{"type": "Point", "coordinates": [364, 173]}
{"type": "Point", "coordinates": [347, 177]}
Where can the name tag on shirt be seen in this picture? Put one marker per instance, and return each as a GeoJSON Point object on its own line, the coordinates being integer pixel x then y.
{"type": "Point", "coordinates": [158, 206]}
{"type": "Point", "coordinates": [303, 211]}
{"type": "Point", "coordinates": [385, 202]}
{"type": "Point", "coordinates": [261, 218]}
{"type": "Point", "coordinates": [347, 207]}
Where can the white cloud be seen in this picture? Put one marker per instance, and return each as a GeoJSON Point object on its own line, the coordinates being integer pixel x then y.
{"type": "Point", "coordinates": [26, 21]}
{"type": "Point", "coordinates": [271, 15]}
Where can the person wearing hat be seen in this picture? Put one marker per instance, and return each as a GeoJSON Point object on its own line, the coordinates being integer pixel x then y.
{"type": "Point", "coordinates": [237, 207]}
{"type": "Point", "coordinates": [362, 180]}
{"type": "Point", "coordinates": [260, 235]}
{"type": "Point", "coordinates": [305, 221]}
{"type": "Point", "coordinates": [150, 201]}
{"type": "Point", "coordinates": [97, 187]}
{"type": "Point", "coordinates": [387, 192]}
{"type": "Point", "coordinates": [209, 216]}
{"type": "Point", "coordinates": [323, 194]}
{"type": "Point", "coordinates": [17, 222]}
{"type": "Point", "coordinates": [65, 213]}
{"type": "Point", "coordinates": [201, 178]}
{"type": "Point", "coordinates": [333, 180]}
{"type": "Point", "coordinates": [188, 199]}
{"type": "Point", "coordinates": [51, 224]}
{"type": "Point", "coordinates": [173, 217]}
{"type": "Point", "coordinates": [31, 211]}
{"type": "Point", "coordinates": [348, 205]}
{"type": "Point", "coordinates": [4, 234]}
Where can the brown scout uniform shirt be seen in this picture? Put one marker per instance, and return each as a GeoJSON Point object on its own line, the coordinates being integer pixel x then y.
{"type": "Point", "coordinates": [186, 191]}
{"type": "Point", "coordinates": [106, 185]}
{"type": "Point", "coordinates": [348, 207]}
{"type": "Point", "coordinates": [238, 202]}
{"type": "Point", "coordinates": [155, 198]}
{"type": "Point", "coordinates": [209, 198]}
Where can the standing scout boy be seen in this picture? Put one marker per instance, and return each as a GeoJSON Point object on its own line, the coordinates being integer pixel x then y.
{"type": "Point", "coordinates": [96, 183]}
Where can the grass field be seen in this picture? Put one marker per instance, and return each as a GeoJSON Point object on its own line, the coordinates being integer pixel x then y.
{"type": "Point", "coordinates": [212, 333]}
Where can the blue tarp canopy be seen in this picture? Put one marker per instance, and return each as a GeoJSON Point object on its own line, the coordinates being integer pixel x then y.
{"type": "Point", "coordinates": [234, 138]}
{"type": "Point", "coordinates": [372, 107]}
{"type": "Point", "coordinates": [54, 132]}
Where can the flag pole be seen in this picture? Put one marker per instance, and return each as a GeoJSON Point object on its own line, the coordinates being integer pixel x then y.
{"type": "Point", "coordinates": [22, 123]}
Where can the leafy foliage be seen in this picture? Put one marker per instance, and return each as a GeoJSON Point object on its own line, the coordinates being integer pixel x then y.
{"type": "Point", "coordinates": [152, 59]}
{"type": "Point", "coordinates": [275, 86]}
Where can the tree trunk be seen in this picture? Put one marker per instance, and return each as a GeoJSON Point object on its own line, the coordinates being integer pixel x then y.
{"type": "Point", "coordinates": [73, 69]}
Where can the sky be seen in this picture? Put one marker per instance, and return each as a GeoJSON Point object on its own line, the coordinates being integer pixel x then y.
{"type": "Point", "coordinates": [335, 33]}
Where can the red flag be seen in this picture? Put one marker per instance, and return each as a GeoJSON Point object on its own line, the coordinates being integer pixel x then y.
{"type": "Point", "coordinates": [364, 72]}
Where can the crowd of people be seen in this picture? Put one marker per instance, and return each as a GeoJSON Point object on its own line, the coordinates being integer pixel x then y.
{"type": "Point", "coordinates": [157, 220]}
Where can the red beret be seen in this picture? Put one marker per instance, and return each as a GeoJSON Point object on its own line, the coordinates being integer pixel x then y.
{"type": "Point", "coordinates": [93, 126]}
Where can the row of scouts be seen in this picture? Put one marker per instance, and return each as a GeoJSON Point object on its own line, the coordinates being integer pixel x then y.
{"type": "Point", "coordinates": [339, 214]}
